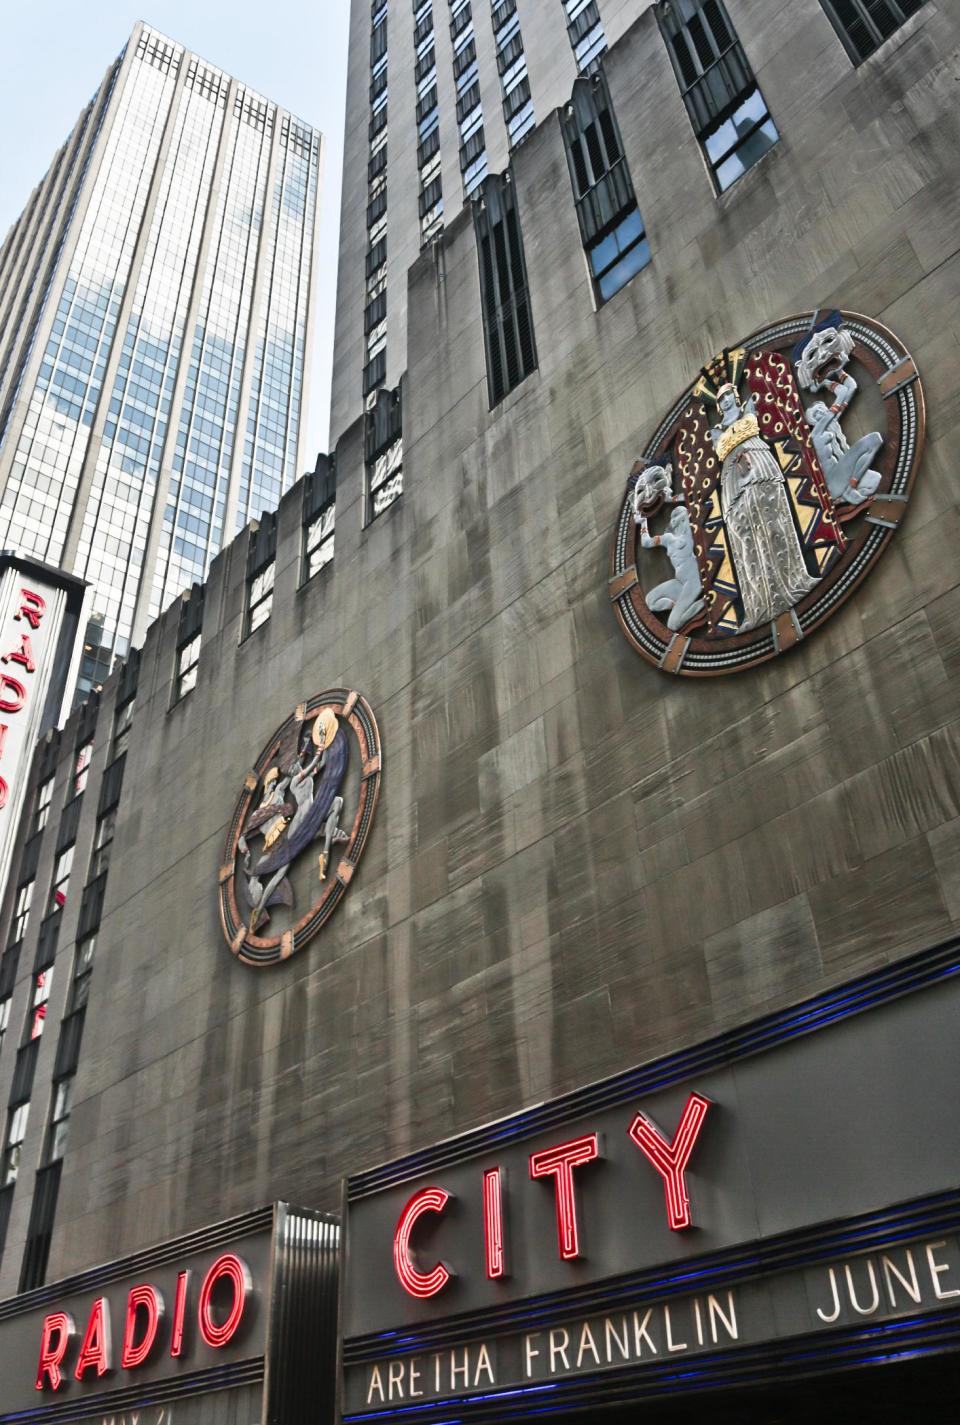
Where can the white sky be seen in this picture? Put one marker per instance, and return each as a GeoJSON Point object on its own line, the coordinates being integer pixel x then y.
{"type": "Point", "coordinates": [292, 51]}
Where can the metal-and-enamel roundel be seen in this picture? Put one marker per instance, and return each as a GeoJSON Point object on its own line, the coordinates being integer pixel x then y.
{"type": "Point", "coordinates": [299, 827]}
{"type": "Point", "coordinates": [767, 493]}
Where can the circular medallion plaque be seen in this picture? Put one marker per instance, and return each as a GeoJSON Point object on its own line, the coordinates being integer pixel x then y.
{"type": "Point", "coordinates": [767, 493]}
{"type": "Point", "coordinates": [299, 827]}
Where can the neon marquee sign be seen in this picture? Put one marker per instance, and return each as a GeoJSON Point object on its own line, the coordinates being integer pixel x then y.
{"type": "Point", "coordinates": [561, 1162]}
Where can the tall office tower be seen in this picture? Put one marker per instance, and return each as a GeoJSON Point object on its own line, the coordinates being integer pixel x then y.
{"type": "Point", "coordinates": [439, 94]}
{"type": "Point", "coordinates": [155, 303]}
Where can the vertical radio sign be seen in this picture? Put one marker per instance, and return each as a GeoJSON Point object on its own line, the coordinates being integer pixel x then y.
{"type": "Point", "coordinates": [33, 605]}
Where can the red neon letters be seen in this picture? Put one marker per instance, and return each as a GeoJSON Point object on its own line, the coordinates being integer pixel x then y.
{"type": "Point", "coordinates": [417, 1283]}
{"type": "Point", "coordinates": [231, 1268]}
{"type": "Point", "coordinates": [179, 1310]}
{"type": "Point", "coordinates": [493, 1223]}
{"type": "Point", "coordinates": [142, 1331]}
{"type": "Point", "coordinates": [32, 608]}
{"type": "Point", "coordinates": [671, 1159]}
{"type": "Point", "coordinates": [96, 1350]}
{"type": "Point", "coordinates": [56, 1335]}
{"type": "Point", "coordinates": [150, 1300]}
{"type": "Point", "coordinates": [559, 1162]}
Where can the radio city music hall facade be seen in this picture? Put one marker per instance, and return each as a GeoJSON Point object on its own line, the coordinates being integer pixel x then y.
{"type": "Point", "coordinates": [536, 850]}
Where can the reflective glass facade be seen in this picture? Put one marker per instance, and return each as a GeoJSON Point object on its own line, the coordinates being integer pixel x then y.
{"type": "Point", "coordinates": [162, 410]}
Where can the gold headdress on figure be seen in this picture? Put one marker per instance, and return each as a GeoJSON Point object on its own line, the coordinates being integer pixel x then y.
{"type": "Point", "coordinates": [324, 729]}
{"type": "Point", "coordinates": [724, 374]}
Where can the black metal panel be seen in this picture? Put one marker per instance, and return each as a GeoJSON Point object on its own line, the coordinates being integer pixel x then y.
{"type": "Point", "coordinates": [6, 1202]}
{"type": "Point", "coordinates": [40, 1229]}
{"type": "Point", "coordinates": [112, 785]}
{"type": "Point", "coordinates": [301, 1371]}
{"type": "Point", "coordinates": [8, 968]}
{"type": "Point", "coordinates": [191, 616]}
{"type": "Point", "coordinates": [68, 1045]}
{"type": "Point", "coordinates": [69, 821]}
{"type": "Point", "coordinates": [47, 940]}
{"type": "Point", "coordinates": [23, 1072]}
{"type": "Point", "coordinates": [383, 423]}
{"type": "Point", "coordinates": [87, 719]}
{"type": "Point", "coordinates": [91, 906]}
{"type": "Point", "coordinates": [49, 755]}
{"type": "Point", "coordinates": [30, 858]}
{"type": "Point", "coordinates": [319, 487]}
{"type": "Point", "coordinates": [129, 676]}
{"type": "Point", "coordinates": [263, 544]}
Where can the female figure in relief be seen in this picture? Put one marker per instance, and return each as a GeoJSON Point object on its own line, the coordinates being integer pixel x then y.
{"type": "Point", "coordinates": [771, 573]}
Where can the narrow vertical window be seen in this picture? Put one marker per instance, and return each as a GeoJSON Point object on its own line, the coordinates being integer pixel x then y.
{"type": "Point", "coordinates": [41, 813]}
{"type": "Point", "coordinates": [723, 99]}
{"type": "Point", "coordinates": [122, 723]}
{"type": "Point", "coordinates": [40, 1228]}
{"type": "Point", "coordinates": [261, 568]}
{"type": "Point", "coordinates": [383, 453]}
{"type": "Point", "coordinates": [586, 33]}
{"type": "Point", "coordinates": [863, 25]}
{"type": "Point", "coordinates": [319, 517]}
{"type": "Point", "coordinates": [189, 635]}
{"type": "Point", "coordinates": [512, 65]}
{"type": "Point", "coordinates": [21, 911]}
{"type": "Point", "coordinates": [614, 237]}
{"type": "Point", "coordinates": [81, 769]}
{"type": "Point", "coordinates": [13, 1146]}
{"type": "Point", "coordinates": [507, 321]}
{"type": "Point", "coordinates": [61, 880]}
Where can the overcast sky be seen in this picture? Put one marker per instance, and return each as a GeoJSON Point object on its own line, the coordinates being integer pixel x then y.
{"type": "Point", "coordinates": [293, 51]}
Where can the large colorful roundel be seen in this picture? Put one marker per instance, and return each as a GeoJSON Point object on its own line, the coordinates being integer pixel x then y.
{"type": "Point", "coordinates": [299, 827]}
{"type": "Point", "coordinates": [767, 493]}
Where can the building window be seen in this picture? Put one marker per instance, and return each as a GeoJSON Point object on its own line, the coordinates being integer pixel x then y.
{"type": "Point", "coordinates": [863, 25]}
{"type": "Point", "coordinates": [723, 100]}
{"type": "Point", "coordinates": [586, 33]}
{"type": "Point", "coordinates": [122, 723]}
{"type": "Point", "coordinates": [59, 1119]}
{"type": "Point", "coordinates": [188, 661]}
{"type": "Point", "coordinates": [507, 320]}
{"type": "Point", "coordinates": [21, 911]}
{"type": "Point", "coordinates": [41, 814]}
{"type": "Point", "coordinates": [82, 973]}
{"type": "Point", "coordinates": [260, 597]}
{"type": "Point", "coordinates": [611, 227]}
{"type": "Point", "coordinates": [40, 1229]}
{"type": "Point", "coordinates": [81, 769]}
{"type": "Point", "coordinates": [13, 1148]}
{"type": "Point", "coordinates": [61, 880]}
{"type": "Point", "coordinates": [188, 642]}
{"type": "Point", "coordinates": [318, 542]}
{"type": "Point", "coordinates": [383, 453]}
{"type": "Point", "coordinates": [100, 859]}
{"type": "Point", "coordinates": [41, 993]}
{"type": "Point", "coordinates": [4, 1016]}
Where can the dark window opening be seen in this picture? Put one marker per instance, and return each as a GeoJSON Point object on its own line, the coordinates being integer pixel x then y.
{"type": "Point", "coordinates": [507, 319]}
{"type": "Point", "coordinates": [722, 97]}
{"type": "Point", "coordinates": [863, 25]}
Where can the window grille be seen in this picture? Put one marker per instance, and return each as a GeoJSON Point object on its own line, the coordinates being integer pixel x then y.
{"type": "Point", "coordinates": [383, 452]}
{"type": "Point", "coordinates": [189, 634]}
{"type": "Point", "coordinates": [319, 516]}
{"type": "Point", "coordinates": [261, 567]}
{"type": "Point", "coordinates": [863, 25]}
{"type": "Point", "coordinates": [722, 98]}
{"type": "Point", "coordinates": [507, 319]}
{"type": "Point", "coordinates": [40, 1230]}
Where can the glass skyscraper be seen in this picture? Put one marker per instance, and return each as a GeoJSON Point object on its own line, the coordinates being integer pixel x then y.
{"type": "Point", "coordinates": [155, 306]}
